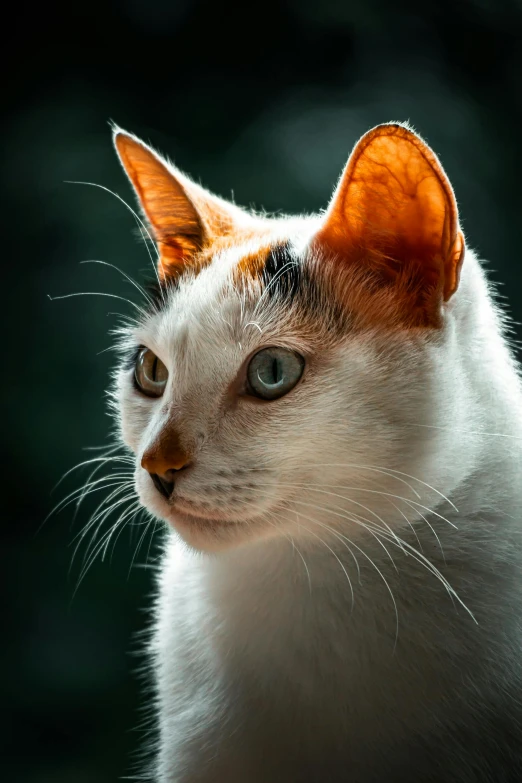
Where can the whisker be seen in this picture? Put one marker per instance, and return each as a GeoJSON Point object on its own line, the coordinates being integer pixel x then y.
{"type": "Point", "coordinates": [135, 509]}
{"type": "Point", "coordinates": [418, 556]}
{"type": "Point", "coordinates": [359, 521]}
{"type": "Point", "coordinates": [99, 293]}
{"type": "Point", "coordinates": [100, 520]}
{"type": "Point", "coordinates": [100, 514]}
{"type": "Point", "coordinates": [145, 233]}
{"type": "Point", "coordinates": [147, 525]}
{"type": "Point", "coordinates": [296, 549]}
{"type": "Point", "coordinates": [431, 528]}
{"type": "Point", "coordinates": [103, 510]}
{"type": "Point", "coordinates": [123, 475]}
{"type": "Point", "coordinates": [117, 196]}
{"type": "Point", "coordinates": [63, 503]}
{"type": "Point", "coordinates": [83, 491]}
{"type": "Point", "coordinates": [122, 527]}
{"type": "Point", "coordinates": [273, 281]}
{"type": "Point", "coordinates": [382, 471]}
{"type": "Point", "coordinates": [464, 432]}
{"type": "Point", "coordinates": [401, 512]}
{"type": "Point", "coordinates": [315, 521]}
{"type": "Point", "coordinates": [89, 462]}
{"type": "Point", "coordinates": [336, 557]}
{"type": "Point", "coordinates": [412, 503]}
{"type": "Point", "coordinates": [414, 478]}
{"type": "Point", "coordinates": [154, 265]}
{"type": "Point", "coordinates": [156, 522]}
{"type": "Point", "coordinates": [379, 468]}
{"type": "Point", "coordinates": [100, 448]}
{"type": "Point", "coordinates": [124, 274]}
{"type": "Point", "coordinates": [343, 497]}
{"type": "Point", "coordinates": [93, 556]}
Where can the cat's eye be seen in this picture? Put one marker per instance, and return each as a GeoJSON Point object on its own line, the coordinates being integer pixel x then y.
{"type": "Point", "coordinates": [273, 372]}
{"type": "Point", "coordinates": [150, 373]}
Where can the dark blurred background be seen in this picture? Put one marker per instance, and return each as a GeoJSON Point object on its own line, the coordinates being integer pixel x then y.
{"type": "Point", "coordinates": [262, 99]}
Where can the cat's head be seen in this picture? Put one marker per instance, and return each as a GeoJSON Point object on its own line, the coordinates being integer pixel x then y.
{"type": "Point", "coordinates": [276, 384]}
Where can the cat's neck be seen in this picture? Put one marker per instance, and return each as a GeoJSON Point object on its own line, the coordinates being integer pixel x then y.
{"type": "Point", "coordinates": [479, 393]}
{"type": "Point", "coordinates": [492, 393]}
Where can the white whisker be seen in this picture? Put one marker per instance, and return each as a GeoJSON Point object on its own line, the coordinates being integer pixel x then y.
{"type": "Point", "coordinates": [120, 199]}
{"type": "Point", "coordinates": [99, 293]}
{"type": "Point", "coordinates": [92, 557]}
{"type": "Point", "coordinates": [364, 554]}
{"type": "Point", "coordinates": [124, 274]}
{"type": "Point", "coordinates": [465, 432]}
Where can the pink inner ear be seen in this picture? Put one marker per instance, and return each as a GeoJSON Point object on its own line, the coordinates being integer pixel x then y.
{"type": "Point", "coordinates": [395, 210]}
{"type": "Point", "coordinates": [174, 220]}
{"type": "Point", "coordinates": [185, 218]}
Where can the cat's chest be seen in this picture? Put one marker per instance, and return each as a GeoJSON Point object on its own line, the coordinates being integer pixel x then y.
{"type": "Point", "coordinates": [256, 670]}
{"type": "Point", "coordinates": [287, 642]}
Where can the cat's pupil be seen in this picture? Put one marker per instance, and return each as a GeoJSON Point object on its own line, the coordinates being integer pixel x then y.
{"type": "Point", "coordinates": [273, 372]}
{"type": "Point", "coordinates": [276, 374]}
{"type": "Point", "coordinates": [155, 369]}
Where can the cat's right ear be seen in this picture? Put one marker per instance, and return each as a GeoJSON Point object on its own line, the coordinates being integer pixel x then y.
{"type": "Point", "coordinates": [183, 216]}
{"type": "Point", "coordinates": [394, 215]}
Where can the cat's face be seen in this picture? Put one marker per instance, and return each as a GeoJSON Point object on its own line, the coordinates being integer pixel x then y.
{"type": "Point", "coordinates": [274, 386]}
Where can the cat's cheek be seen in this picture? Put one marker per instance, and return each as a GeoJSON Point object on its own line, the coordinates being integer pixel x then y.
{"type": "Point", "coordinates": [130, 437]}
{"type": "Point", "coordinates": [134, 420]}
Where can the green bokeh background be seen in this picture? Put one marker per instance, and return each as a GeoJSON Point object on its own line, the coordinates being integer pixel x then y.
{"type": "Point", "coordinates": [262, 100]}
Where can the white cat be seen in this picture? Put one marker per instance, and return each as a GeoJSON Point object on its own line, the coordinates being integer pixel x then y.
{"type": "Point", "coordinates": [325, 411]}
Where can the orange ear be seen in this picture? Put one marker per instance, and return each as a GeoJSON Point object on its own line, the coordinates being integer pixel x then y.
{"type": "Point", "coordinates": [183, 216]}
{"type": "Point", "coordinates": [395, 210]}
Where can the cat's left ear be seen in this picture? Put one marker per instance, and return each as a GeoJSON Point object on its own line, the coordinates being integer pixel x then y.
{"type": "Point", "coordinates": [183, 216]}
{"type": "Point", "coordinates": [394, 213]}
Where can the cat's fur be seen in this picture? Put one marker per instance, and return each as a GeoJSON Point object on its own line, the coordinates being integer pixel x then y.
{"type": "Point", "coordinates": [351, 609]}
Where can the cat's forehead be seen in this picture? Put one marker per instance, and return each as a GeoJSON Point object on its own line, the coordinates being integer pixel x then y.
{"type": "Point", "coordinates": [230, 297]}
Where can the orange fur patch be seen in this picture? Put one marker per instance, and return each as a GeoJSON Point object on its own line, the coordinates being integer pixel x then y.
{"type": "Point", "coordinates": [252, 265]}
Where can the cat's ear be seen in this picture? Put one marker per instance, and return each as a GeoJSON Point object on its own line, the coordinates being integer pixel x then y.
{"type": "Point", "coordinates": [394, 210]}
{"type": "Point", "coordinates": [184, 217]}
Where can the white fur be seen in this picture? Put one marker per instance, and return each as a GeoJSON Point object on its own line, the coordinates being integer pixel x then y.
{"type": "Point", "coordinates": [265, 658]}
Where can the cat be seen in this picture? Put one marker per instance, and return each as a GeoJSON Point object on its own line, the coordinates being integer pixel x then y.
{"type": "Point", "coordinates": [326, 413]}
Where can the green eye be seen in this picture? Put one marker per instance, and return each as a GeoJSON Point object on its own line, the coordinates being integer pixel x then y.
{"type": "Point", "coordinates": [150, 374]}
{"type": "Point", "coordinates": [273, 372]}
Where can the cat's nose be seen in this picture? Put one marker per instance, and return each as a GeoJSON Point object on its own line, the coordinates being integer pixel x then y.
{"type": "Point", "coordinates": [163, 464]}
{"type": "Point", "coordinates": [164, 482]}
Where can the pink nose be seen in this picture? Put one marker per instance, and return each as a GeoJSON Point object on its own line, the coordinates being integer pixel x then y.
{"type": "Point", "coordinates": [162, 463]}
{"type": "Point", "coordinates": [165, 454]}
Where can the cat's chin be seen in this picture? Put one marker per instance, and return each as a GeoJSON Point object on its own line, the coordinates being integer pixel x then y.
{"type": "Point", "coordinates": [207, 534]}
{"type": "Point", "coordinates": [213, 534]}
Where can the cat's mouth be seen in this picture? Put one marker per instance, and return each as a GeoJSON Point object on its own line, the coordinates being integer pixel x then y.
{"type": "Point", "coordinates": [213, 528]}
{"type": "Point", "coordinates": [206, 529]}
{"type": "Point", "coordinates": [189, 513]}
{"type": "Point", "coordinates": [190, 522]}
